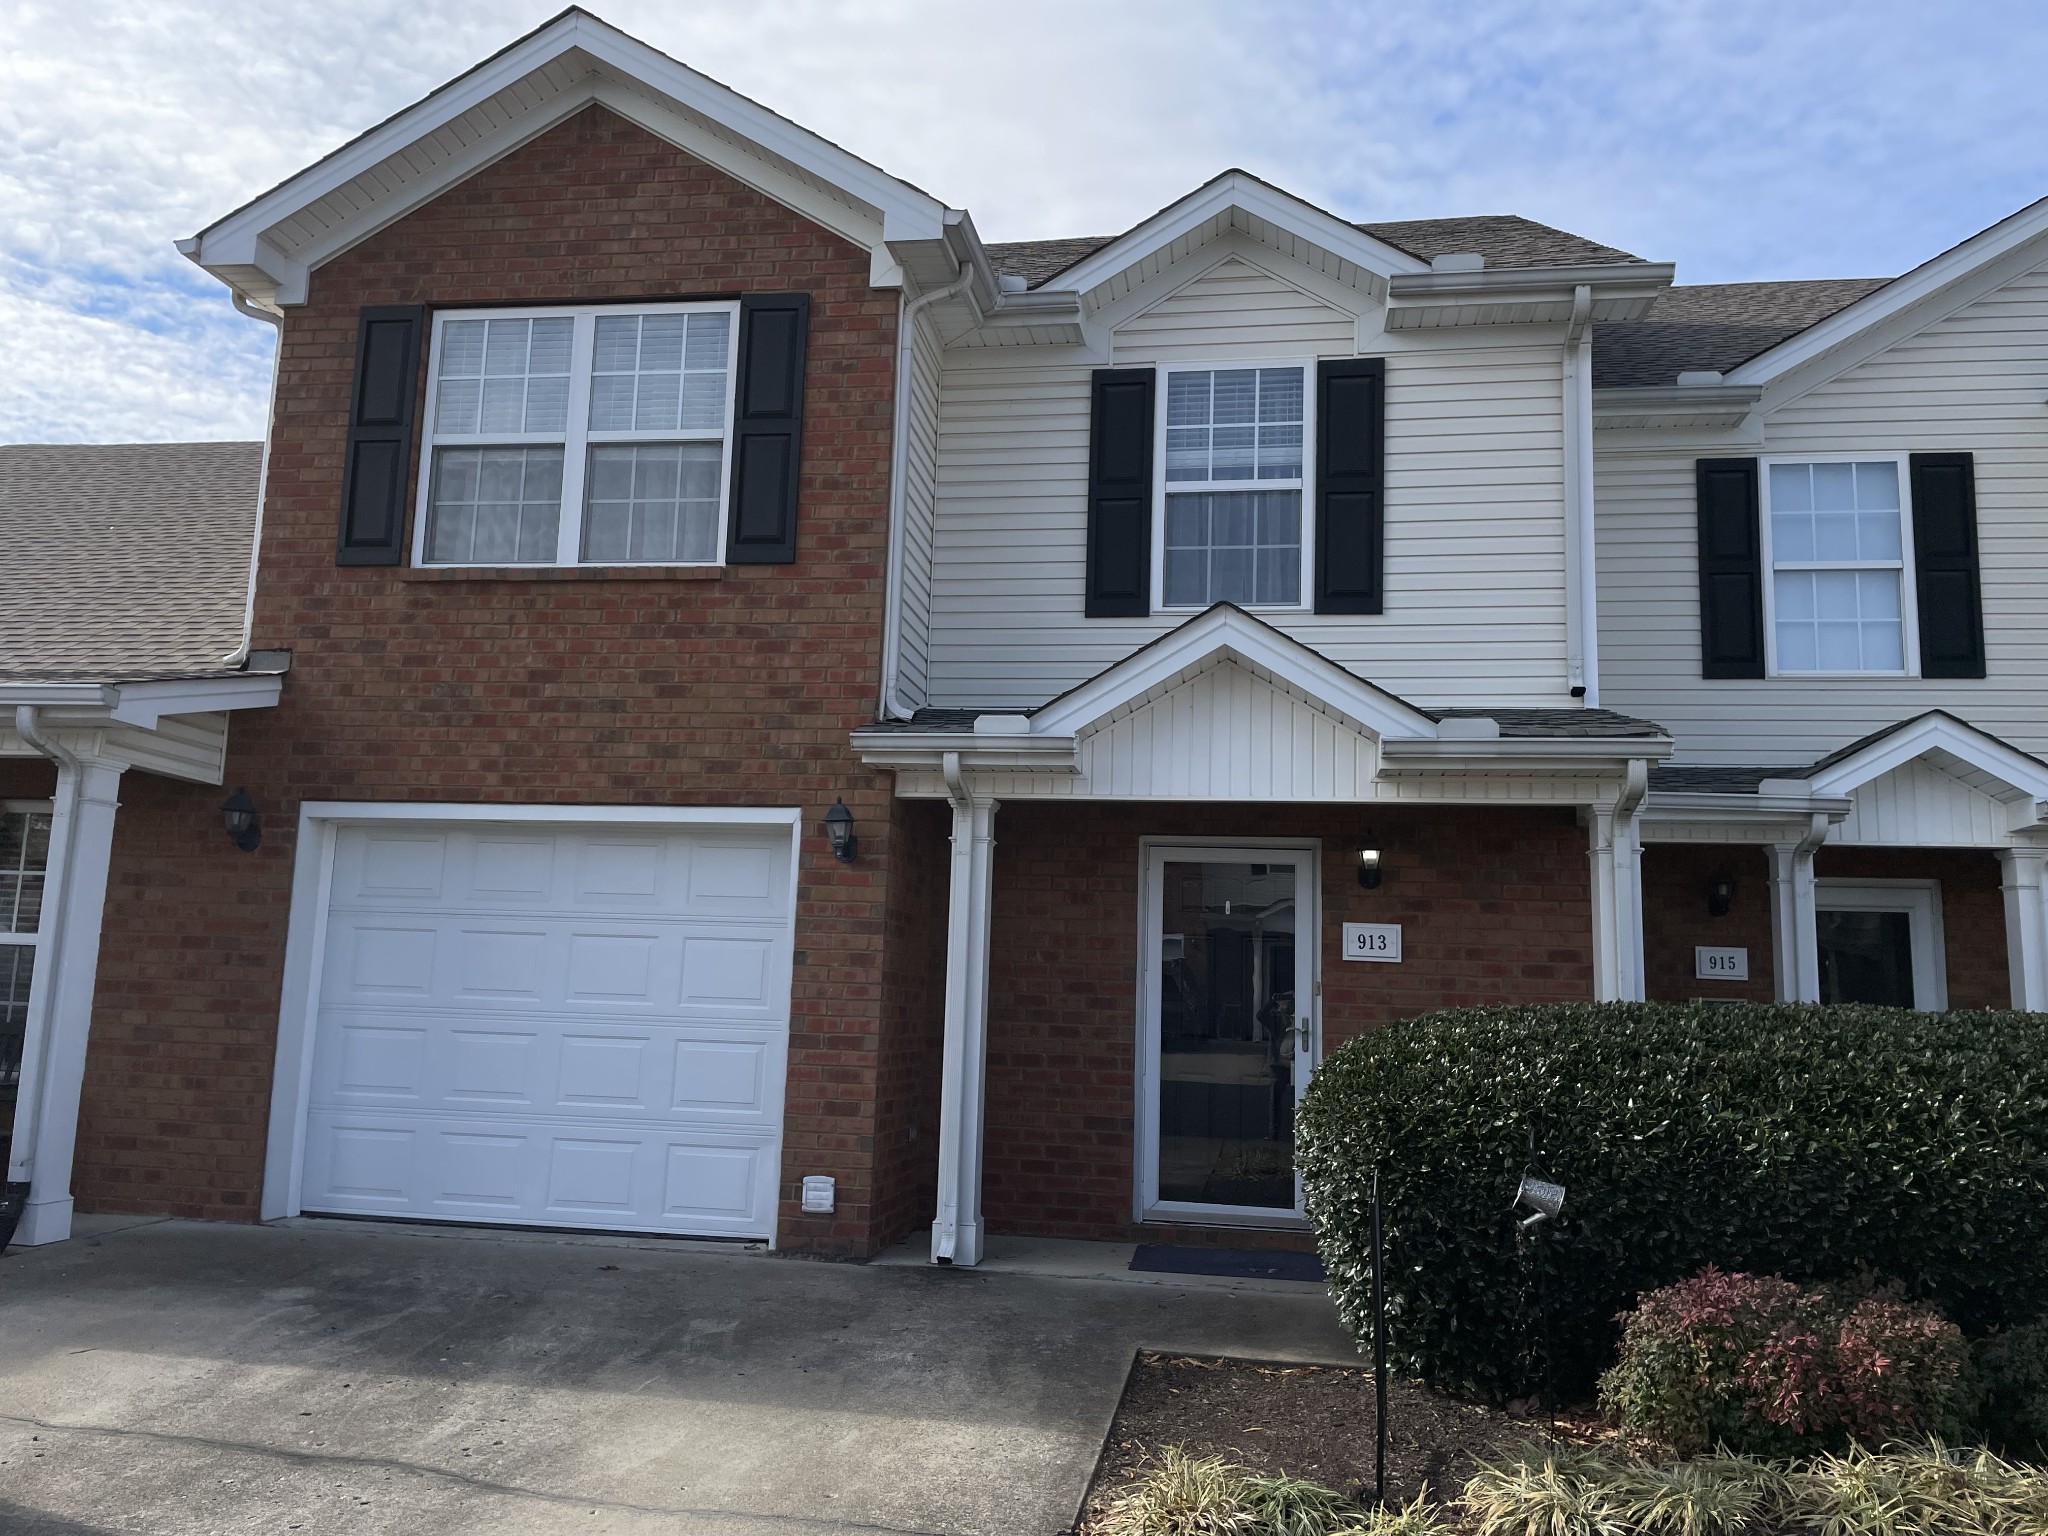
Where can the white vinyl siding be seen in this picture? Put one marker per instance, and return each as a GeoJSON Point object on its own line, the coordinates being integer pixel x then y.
{"type": "Point", "coordinates": [1474, 515]}
{"type": "Point", "coordinates": [920, 477]}
{"type": "Point", "coordinates": [1973, 383]}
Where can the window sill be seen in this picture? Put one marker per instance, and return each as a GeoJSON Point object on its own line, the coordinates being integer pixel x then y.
{"type": "Point", "coordinates": [561, 573]}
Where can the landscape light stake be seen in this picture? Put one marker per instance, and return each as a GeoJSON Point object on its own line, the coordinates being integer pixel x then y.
{"type": "Point", "coordinates": [1379, 1353]}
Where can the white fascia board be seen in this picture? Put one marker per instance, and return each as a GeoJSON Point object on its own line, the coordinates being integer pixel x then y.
{"type": "Point", "coordinates": [1252, 196]}
{"type": "Point", "coordinates": [2025, 773]}
{"type": "Point", "coordinates": [1224, 631]}
{"type": "Point", "coordinates": [144, 704]}
{"type": "Point", "coordinates": [1742, 810]}
{"type": "Point", "coordinates": [1524, 295]}
{"type": "Point", "coordinates": [1668, 406]}
{"type": "Point", "coordinates": [567, 815]}
{"type": "Point", "coordinates": [981, 750]}
{"type": "Point", "coordinates": [238, 239]}
{"type": "Point", "coordinates": [58, 695]}
{"type": "Point", "coordinates": [1901, 294]}
{"type": "Point", "coordinates": [1523, 754]}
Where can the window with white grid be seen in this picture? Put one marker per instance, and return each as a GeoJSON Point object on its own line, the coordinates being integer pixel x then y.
{"type": "Point", "coordinates": [592, 436]}
{"type": "Point", "coordinates": [24, 864]}
{"type": "Point", "coordinates": [1840, 600]}
{"type": "Point", "coordinates": [1232, 470]}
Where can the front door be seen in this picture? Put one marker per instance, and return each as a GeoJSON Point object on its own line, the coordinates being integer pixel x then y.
{"type": "Point", "coordinates": [1226, 1030]}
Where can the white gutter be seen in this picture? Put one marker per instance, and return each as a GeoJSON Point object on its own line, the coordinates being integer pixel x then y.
{"type": "Point", "coordinates": [56, 889]}
{"type": "Point", "coordinates": [275, 320]}
{"type": "Point", "coordinates": [1582, 633]}
{"type": "Point", "coordinates": [891, 706]}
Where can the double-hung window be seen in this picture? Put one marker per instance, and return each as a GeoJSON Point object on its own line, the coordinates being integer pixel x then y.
{"type": "Point", "coordinates": [24, 864]}
{"type": "Point", "coordinates": [590, 436]}
{"type": "Point", "coordinates": [1233, 492]}
{"type": "Point", "coordinates": [1840, 598]}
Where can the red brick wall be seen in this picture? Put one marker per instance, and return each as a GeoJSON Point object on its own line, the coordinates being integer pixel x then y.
{"type": "Point", "coordinates": [914, 986]}
{"type": "Point", "coordinates": [1675, 919]}
{"type": "Point", "coordinates": [1493, 906]}
{"type": "Point", "coordinates": [738, 689]}
{"type": "Point", "coordinates": [26, 778]}
{"type": "Point", "coordinates": [1972, 910]}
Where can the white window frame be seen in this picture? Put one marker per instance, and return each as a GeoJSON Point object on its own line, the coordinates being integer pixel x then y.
{"type": "Point", "coordinates": [1909, 627]}
{"type": "Point", "coordinates": [1161, 488]}
{"type": "Point", "coordinates": [1920, 900]}
{"type": "Point", "coordinates": [38, 976]}
{"type": "Point", "coordinates": [577, 439]}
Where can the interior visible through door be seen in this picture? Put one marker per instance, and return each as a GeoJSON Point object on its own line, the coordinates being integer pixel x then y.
{"type": "Point", "coordinates": [1227, 1034]}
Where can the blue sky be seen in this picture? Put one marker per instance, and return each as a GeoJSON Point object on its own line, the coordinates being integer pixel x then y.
{"type": "Point", "coordinates": [1741, 139]}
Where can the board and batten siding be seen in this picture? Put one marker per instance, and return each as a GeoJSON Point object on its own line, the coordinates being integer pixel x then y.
{"type": "Point", "coordinates": [1974, 382]}
{"type": "Point", "coordinates": [920, 496]}
{"type": "Point", "coordinates": [1475, 608]}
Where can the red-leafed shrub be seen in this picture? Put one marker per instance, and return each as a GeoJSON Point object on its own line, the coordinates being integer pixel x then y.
{"type": "Point", "coordinates": [1766, 1366]}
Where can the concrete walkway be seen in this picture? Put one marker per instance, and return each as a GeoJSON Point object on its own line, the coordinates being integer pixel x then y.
{"type": "Point", "coordinates": [181, 1379]}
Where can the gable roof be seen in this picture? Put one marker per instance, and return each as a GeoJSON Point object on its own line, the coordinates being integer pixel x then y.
{"type": "Point", "coordinates": [1715, 326]}
{"type": "Point", "coordinates": [1849, 767]}
{"type": "Point", "coordinates": [127, 562]}
{"type": "Point", "coordinates": [1505, 240]}
{"type": "Point", "coordinates": [267, 247]}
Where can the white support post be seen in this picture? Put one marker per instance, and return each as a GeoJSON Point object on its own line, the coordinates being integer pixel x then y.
{"type": "Point", "coordinates": [956, 1228]}
{"type": "Point", "coordinates": [2026, 925]}
{"type": "Point", "coordinates": [1795, 941]}
{"type": "Point", "coordinates": [1615, 851]}
{"type": "Point", "coordinates": [53, 1052]}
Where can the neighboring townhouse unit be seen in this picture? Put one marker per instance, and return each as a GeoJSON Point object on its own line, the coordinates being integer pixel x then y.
{"type": "Point", "coordinates": [801, 722]}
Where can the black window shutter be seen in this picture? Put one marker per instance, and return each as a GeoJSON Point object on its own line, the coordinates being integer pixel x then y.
{"type": "Point", "coordinates": [1350, 485]}
{"type": "Point", "coordinates": [1945, 561]}
{"type": "Point", "coordinates": [1731, 570]}
{"type": "Point", "coordinates": [1120, 494]}
{"type": "Point", "coordinates": [768, 426]}
{"type": "Point", "coordinates": [380, 416]}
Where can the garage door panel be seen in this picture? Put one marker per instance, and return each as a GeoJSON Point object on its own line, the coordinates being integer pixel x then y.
{"type": "Point", "coordinates": [562, 1027]}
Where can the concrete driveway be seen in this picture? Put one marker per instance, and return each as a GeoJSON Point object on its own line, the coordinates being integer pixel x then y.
{"type": "Point", "coordinates": [184, 1379]}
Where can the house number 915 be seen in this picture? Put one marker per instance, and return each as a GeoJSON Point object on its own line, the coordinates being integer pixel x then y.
{"type": "Point", "coordinates": [1372, 941]}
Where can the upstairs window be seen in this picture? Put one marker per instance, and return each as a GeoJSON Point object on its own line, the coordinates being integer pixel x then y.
{"type": "Point", "coordinates": [1839, 597]}
{"type": "Point", "coordinates": [590, 436]}
{"type": "Point", "coordinates": [1233, 528]}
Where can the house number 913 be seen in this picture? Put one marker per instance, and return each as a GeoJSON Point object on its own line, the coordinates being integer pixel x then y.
{"type": "Point", "coordinates": [1372, 941]}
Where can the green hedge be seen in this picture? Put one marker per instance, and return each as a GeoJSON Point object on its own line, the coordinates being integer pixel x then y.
{"type": "Point", "coordinates": [1812, 1142]}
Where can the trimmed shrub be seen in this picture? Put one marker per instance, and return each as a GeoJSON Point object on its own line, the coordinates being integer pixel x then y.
{"type": "Point", "coordinates": [2012, 1370]}
{"type": "Point", "coordinates": [1767, 1368]}
{"type": "Point", "coordinates": [1811, 1142]}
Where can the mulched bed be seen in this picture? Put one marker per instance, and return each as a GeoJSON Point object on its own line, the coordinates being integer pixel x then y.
{"type": "Point", "coordinates": [1313, 1421]}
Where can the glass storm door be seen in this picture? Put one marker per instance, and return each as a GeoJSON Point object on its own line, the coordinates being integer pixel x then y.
{"type": "Point", "coordinates": [1227, 1030]}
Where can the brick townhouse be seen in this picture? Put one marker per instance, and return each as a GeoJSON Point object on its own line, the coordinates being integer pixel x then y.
{"type": "Point", "coordinates": [727, 705]}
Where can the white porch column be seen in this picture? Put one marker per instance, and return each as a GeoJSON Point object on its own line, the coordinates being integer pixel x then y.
{"type": "Point", "coordinates": [1795, 943]}
{"type": "Point", "coordinates": [1615, 851]}
{"type": "Point", "coordinates": [2026, 924]}
{"type": "Point", "coordinates": [956, 1228]}
{"type": "Point", "coordinates": [67, 966]}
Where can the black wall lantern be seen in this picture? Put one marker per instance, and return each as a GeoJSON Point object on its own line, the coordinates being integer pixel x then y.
{"type": "Point", "coordinates": [839, 832]}
{"type": "Point", "coordinates": [1369, 864]}
{"type": "Point", "coordinates": [245, 826]}
{"type": "Point", "coordinates": [1720, 894]}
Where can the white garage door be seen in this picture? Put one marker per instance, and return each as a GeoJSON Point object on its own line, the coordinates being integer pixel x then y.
{"type": "Point", "coordinates": [553, 1027]}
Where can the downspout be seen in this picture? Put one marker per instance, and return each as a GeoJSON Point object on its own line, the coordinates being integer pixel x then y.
{"type": "Point", "coordinates": [275, 320]}
{"type": "Point", "coordinates": [1582, 638]}
{"type": "Point", "coordinates": [891, 706]}
{"type": "Point", "coordinates": [63, 816]}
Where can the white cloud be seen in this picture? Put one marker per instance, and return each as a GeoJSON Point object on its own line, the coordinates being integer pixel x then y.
{"type": "Point", "coordinates": [1739, 137]}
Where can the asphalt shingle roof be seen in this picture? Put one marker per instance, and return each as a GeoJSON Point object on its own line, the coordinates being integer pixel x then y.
{"type": "Point", "coordinates": [1715, 326]}
{"type": "Point", "coordinates": [124, 561]}
{"type": "Point", "coordinates": [1504, 239]}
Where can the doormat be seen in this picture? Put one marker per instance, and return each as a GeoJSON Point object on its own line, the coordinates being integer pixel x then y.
{"type": "Point", "coordinates": [1235, 1263]}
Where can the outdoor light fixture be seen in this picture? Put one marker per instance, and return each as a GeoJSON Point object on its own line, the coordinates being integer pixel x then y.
{"type": "Point", "coordinates": [245, 827]}
{"type": "Point", "coordinates": [839, 832]}
{"type": "Point", "coordinates": [1369, 866]}
{"type": "Point", "coordinates": [1720, 894]}
{"type": "Point", "coordinates": [1540, 1198]}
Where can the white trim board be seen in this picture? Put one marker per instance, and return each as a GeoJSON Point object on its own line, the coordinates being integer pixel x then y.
{"type": "Point", "coordinates": [312, 883]}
